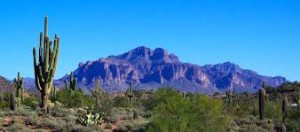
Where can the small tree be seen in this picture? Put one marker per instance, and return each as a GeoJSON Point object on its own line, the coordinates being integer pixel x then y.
{"type": "Point", "coordinates": [103, 101]}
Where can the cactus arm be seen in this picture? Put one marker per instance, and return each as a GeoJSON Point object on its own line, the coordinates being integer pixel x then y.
{"type": "Point", "coordinates": [46, 25]}
{"type": "Point", "coordinates": [41, 75]}
{"type": "Point", "coordinates": [46, 57]}
{"type": "Point", "coordinates": [53, 54]}
{"type": "Point", "coordinates": [40, 49]}
{"type": "Point", "coordinates": [36, 72]}
{"type": "Point", "coordinates": [75, 83]}
{"type": "Point", "coordinates": [54, 64]}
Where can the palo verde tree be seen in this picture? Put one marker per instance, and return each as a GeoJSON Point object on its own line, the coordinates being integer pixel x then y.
{"type": "Point", "coordinates": [18, 82]}
{"type": "Point", "coordinates": [45, 65]}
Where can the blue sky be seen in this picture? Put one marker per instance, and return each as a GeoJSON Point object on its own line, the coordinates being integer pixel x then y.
{"type": "Point", "coordinates": [262, 35]}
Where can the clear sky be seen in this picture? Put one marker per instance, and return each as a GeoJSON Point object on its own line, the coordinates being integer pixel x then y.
{"type": "Point", "coordinates": [262, 35]}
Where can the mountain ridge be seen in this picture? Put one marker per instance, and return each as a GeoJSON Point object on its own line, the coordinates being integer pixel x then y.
{"type": "Point", "coordinates": [149, 69]}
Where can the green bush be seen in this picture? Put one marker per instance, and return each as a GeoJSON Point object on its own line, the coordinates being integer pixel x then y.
{"type": "Point", "coordinates": [105, 105]}
{"type": "Point", "coordinates": [31, 101]}
{"type": "Point", "coordinates": [4, 104]}
{"type": "Point", "coordinates": [31, 121]}
{"type": "Point", "coordinates": [108, 126]}
{"type": "Point", "coordinates": [78, 100]}
{"type": "Point", "coordinates": [121, 101]}
{"type": "Point", "coordinates": [273, 111]}
{"type": "Point", "coordinates": [176, 113]}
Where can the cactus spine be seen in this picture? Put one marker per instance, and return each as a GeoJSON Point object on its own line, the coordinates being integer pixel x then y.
{"type": "Point", "coordinates": [18, 82]}
{"type": "Point", "coordinates": [284, 108]}
{"type": "Point", "coordinates": [129, 92]}
{"type": "Point", "coordinates": [12, 101]}
{"type": "Point", "coordinates": [45, 64]}
{"type": "Point", "coordinates": [262, 95]}
{"type": "Point", "coordinates": [73, 83]}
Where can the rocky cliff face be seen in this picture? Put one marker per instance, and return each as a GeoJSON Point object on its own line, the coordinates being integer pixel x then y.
{"type": "Point", "coordinates": [150, 69]}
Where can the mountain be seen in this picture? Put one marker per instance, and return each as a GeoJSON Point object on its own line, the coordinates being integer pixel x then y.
{"type": "Point", "coordinates": [5, 84]}
{"type": "Point", "coordinates": [29, 84]}
{"type": "Point", "coordinates": [150, 69]}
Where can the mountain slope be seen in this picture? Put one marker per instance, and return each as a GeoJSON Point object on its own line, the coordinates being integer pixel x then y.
{"type": "Point", "coordinates": [150, 69]}
{"type": "Point", "coordinates": [5, 84]}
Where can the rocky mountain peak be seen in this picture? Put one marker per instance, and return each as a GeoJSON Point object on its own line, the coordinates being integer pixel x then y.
{"type": "Point", "coordinates": [150, 69]}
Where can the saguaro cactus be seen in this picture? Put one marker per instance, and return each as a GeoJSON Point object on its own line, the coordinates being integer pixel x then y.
{"type": "Point", "coordinates": [298, 101]}
{"type": "Point", "coordinates": [18, 82]}
{"type": "Point", "coordinates": [53, 94]}
{"type": "Point", "coordinates": [73, 83]}
{"type": "Point", "coordinates": [129, 92]}
{"type": "Point", "coordinates": [262, 95]}
{"type": "Point", "coordinates": [1, 96]}
{"type": "Point", "coordinates": [229, 96]}
{"type": "Point", "coordinates": [284, 108]}
{"type": "Point", "coordinates": [97, 93]}
{"type": "Point", "coordinates": [45, 65]}
{"type": "Point", "coordinates": [12, 101]}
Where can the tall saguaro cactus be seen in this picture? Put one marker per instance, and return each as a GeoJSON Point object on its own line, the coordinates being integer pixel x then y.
{"type": "Point", "coordinates": [129, 92]}
{"type": "Point", "coordinates": [45, 64]}
{"type": "Point", "coordinates": [284, 108]}
{"type": "Point", "coordinates": [97, 93]}
{"type": "Point", "coordinates": [12, 101]}
{"type": "Point", "coordinates": [53, 94]}
{"type": "Point", "coordinates": [298, 101]}
{"type": "Point", "coordinates": [73, 83]}
{"type": "Point", "coordinates": [262, 95]}
{"type": "Point", "coordinates": [229, 96]}
{"type": "Point", "coordinates": [18, 82]}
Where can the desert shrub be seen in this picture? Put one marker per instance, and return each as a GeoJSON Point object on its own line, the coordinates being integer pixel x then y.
{"type": "Point", "coordinates": [16, 127]}
{"type": "Point", "coordinates": [111, 119]}
{"type": "Point", "coordinates": [108, 126]}
{"type": "Point", "coordinates": [53, 123]}
{"type": "Point", "coordinates": [78, 100]}
{"type": "Point", "coordinates": [293, 120]}
{"type": "Point", "coordinates": [176, 113]}
{"type": "Point", "coordinates": [24, 111]}
{"type": "Point", "coordinates": [4, 99]}
{"type": "Point", "coordinates": [71, 119]}
{"type": "Point", "coordinates": [79, 128]}
{"type": "Point", "coordinates": [4, 104]}
{"type": "Point", "coordinates": [137, 93]}
{"type": "Point", "coordinates": [242, 110]}
{"type": "Point", "coordinates": [122, 128]}
{"type": "Point", "coordinates": [139, 125]}
{"type": "Point", "coordinates": [105, 105]}
{"type": "Point", "coordinates": [31, 101]}
{"type": "Point", "coordinates": [31, 121]}
{"type": "Point", "coordinates": [121, 101]}
{"type": "Point", "coordinates": [273, 111]}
